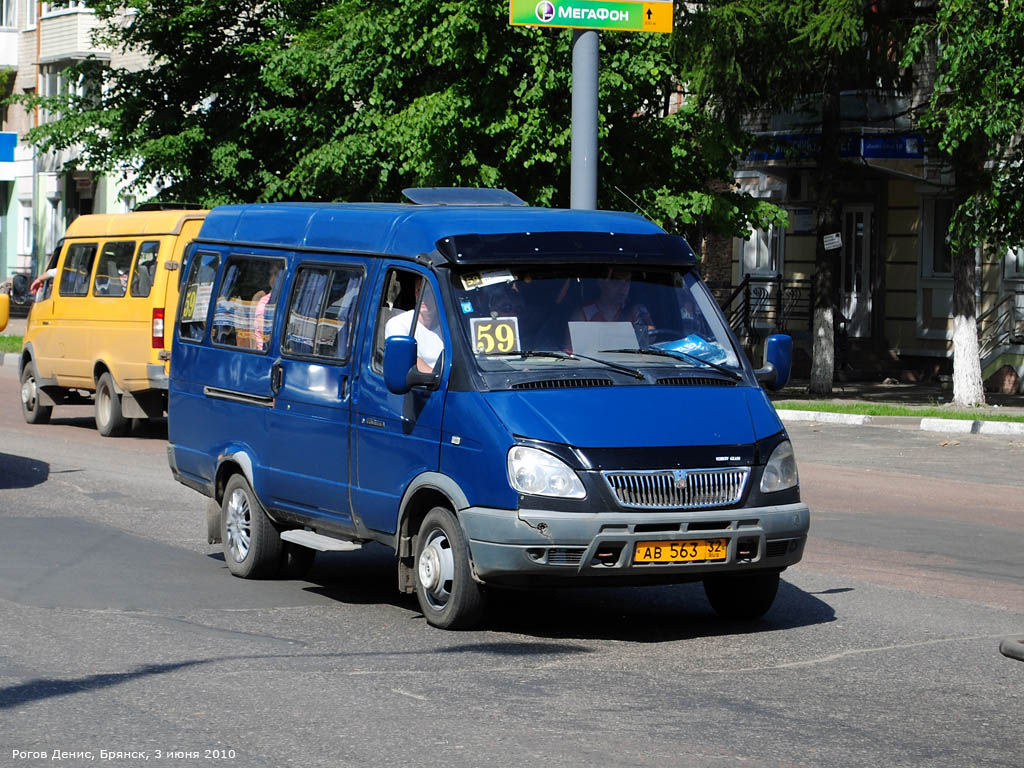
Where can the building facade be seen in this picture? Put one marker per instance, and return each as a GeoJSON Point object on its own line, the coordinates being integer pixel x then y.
{"type": "Point", "coordinates": [894, 273]}
{"type": "Point", "coordinates": [38, 196]}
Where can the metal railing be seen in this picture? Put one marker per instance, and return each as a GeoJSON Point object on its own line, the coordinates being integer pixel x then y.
{"type": "Point", "coordinates": [762, 305]}
{"type": "Point", "coordinates": [1002, 324]}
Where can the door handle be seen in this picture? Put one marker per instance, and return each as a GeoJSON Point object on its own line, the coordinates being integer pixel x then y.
{"type": "Point", "coordinates": [276, 378]}
{"type": "Point", "coordinates": [46, 322]}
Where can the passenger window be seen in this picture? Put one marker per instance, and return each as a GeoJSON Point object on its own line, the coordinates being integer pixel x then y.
{"type": "Point", "coordinates": [195, 303]}
{"type": "Point", "coordinates": [322, 311]}
{"type": "Point", "coordinates": [113, 268]}
{"type": "Point", "coordinates": [409, 303]}
{"type": "Point", "coordinates": [244, 315]}
{"type": "Point", "coordinates": [145, 268]}
{"type": "Point", "coordinates": [74, 278]}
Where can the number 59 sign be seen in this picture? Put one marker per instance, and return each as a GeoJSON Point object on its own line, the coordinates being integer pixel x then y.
{"type": "Point", "coordinates": [495, 334]}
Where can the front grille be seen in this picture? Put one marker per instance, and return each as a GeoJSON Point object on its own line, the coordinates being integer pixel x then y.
{"type": "Point", "coordinates": [678, 488]}
{"type": "Point", "coordinates": [565, 556]}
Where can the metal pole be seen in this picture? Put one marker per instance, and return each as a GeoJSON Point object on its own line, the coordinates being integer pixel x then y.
{"type": "Point", "coordinates": [583, 192]}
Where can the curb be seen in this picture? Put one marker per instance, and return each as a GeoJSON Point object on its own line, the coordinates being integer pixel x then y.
{"type": "Point", "coordinates": [9, 358]}
{"type": "Point", "coordinates": [948, 426]}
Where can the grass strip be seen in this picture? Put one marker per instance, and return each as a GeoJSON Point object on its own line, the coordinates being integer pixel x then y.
{"type": "Point", "coordinates": [10, 344]}
{"type": "Point", "coordinates": [887, 409]}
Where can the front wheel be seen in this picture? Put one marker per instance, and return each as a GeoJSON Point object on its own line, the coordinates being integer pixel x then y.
{"type": "Point", "coordinates": [447, 593]}
{"type": "Point", "coordinates": [252, 545]}
{"type": "Point", "coordinates": [742, 596]}
{"type": "Point", "coordinates": [33, 412]}
{"type": "Point", "coordinates": [109, 419]}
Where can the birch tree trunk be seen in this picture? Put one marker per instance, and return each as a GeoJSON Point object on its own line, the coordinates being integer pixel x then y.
{"type": "Point", "coordinates": [968, 386]}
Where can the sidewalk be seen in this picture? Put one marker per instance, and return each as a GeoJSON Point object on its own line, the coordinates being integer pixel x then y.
{"type": "Point", "coordinates": [907, 395]}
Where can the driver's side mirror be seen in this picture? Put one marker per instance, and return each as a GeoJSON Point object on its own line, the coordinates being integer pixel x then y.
{"type": "Point", "coordinates": [778, 361]}
{"type": "Point", "coordinates": [400, 371]}
{"type": "Point", "coordinates": [5, 310]}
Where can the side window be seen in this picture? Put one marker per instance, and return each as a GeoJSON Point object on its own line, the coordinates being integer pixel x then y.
{"type": "Point", "coordinates": [74, 278]}
{"type": "Point", "coordinates": [145, 268]}
{"type": "Point", "coordinates": [409, 308]}
{"type": "Point", "coordinates": [322, 311]}
{"type": "Point", "coordinates": [112, 271]}
{"type": "Point", "coordinates": [246, 302]}
{"type": "Point", "coordinates": [195, 303]}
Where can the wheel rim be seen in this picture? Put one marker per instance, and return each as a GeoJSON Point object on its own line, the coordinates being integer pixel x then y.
{"type": "Point", "coordinates": [104, 404]}
{"type": "Point", "coordinates": [239, 525]}
{"type": "Point", "coordinates": [436, 569]}
{"type": "Point", "coordinates": [28, 393]}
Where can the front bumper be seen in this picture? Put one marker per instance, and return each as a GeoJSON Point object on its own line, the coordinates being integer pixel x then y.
{"type": "Point", "coordinates": [538, 546]}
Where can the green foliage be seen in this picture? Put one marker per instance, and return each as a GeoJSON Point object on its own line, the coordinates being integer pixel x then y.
{"type": "Point", "coordinates": [976, 113]}
{"type": "Point", "coordinates": [345, 100]}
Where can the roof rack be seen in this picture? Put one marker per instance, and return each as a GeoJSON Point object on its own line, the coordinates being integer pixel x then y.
{"type": "Point", "coordinates": [462, 196]}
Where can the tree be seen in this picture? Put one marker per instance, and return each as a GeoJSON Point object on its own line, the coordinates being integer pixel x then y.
{"type": "Point", "coordinates": [746, 57]}
{"type": "Point", "coordinates": [975, 116]}
{"type": "Point", "coordinates": [337, 99]}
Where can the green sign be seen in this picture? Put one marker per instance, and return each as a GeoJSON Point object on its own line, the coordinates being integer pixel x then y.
{"type": "Point", "coordinates": [625, 15]}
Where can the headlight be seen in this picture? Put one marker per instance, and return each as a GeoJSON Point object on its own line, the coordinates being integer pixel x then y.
{"type": "Point", "coordinates": [780, 471]}
{"type": "Point", "coordinates": [538, 473]}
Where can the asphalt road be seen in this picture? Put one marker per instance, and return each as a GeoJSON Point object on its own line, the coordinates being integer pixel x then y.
{"type": "Point", "coordinates": [121, 630]}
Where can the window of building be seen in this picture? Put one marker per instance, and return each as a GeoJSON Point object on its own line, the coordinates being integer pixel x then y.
{"type": "Point", "coordinates": [244, 315]}
{"type": "Point", "coordinates": [74, 279]}
{"type": "Point", "coordinates": [25, 235]}
{"type": "Point", "coordinates": [322, 311]}
{"type": "Point", "coordinates": [112, 271]}
{"type": "Point", "coordinates": [1015, 263]}
{"type": "Point", "coordinates": [761, 253]}
{"type": "Point", "coordinates": [9, 13]}
{"type": "Point", "coordinates": [936, 255]}
{"type": "Point", "coordinates": [195, 304]}
{"type": "Point", "coordinates": [145, 268]}
{"type": "Point", "coordinates": [30, 13]}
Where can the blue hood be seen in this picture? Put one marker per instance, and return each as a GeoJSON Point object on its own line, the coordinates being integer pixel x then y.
{"type": "Point", "coordinates": [638, 417]}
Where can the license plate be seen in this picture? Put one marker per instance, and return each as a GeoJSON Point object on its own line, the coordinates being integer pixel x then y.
{"type": "Point", "coordinates": [680, 551]}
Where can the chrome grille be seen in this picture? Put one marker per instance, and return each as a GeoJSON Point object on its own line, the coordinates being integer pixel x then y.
{"type": "Point", "coordinates": [678, 488]}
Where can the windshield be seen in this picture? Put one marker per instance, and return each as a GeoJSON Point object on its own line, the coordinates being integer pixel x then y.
{"type": "Point", "coordinates": [591, 315]}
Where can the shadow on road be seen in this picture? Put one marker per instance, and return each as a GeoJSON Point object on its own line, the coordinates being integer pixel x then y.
{"type": "Point", "coordinates": [149, 429]}
{"type": "Point", "coordinates": [22, 472]}
{"type": "Point", "coordinates": [637, 614]}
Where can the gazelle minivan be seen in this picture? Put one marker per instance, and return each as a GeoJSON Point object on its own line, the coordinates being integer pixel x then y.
{"type": "Point", "coordinates": [503, 395]}
{"type": "Point", "coordinates": [95, 334]}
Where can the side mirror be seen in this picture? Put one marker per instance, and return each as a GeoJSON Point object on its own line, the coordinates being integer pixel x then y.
{"type": "Point", "coordinates": [778, 361]}
{"type": "Point", "coordinates": [400, 371]}
{"type": "Point", "coordinates": [5, 310]}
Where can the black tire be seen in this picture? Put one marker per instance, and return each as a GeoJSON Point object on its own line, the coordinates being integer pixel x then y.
{"type": "Point", "coordinates": [742, 596]}
{"type": "Point", "coordinates": [109, 420]}
{"type": "Point", "coordinates": [33, 412]}
{"type": "Point", "coordinates": [296, 560]}
{"type": "Point", "coordinates": [447, 593]}
{"type": "Point", "coordinates": [252, 546]}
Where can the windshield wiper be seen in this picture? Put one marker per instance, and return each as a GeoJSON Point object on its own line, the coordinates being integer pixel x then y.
{"type": "Point", "coordinates": [676, 355]}
{"type": "Point", "coordinates": [570, 356]}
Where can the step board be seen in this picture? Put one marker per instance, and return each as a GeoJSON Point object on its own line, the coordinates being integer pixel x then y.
{"type": "Point", "coordinates": [320, 542]}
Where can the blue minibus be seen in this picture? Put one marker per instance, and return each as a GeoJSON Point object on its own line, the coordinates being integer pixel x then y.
{"type": "Point", "coordinates": [506, 396]}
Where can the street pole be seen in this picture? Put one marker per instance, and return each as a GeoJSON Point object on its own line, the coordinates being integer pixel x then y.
{"type": "Point", "coordinates": [583, 192]}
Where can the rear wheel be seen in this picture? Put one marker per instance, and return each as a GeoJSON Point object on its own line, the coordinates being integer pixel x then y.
{"type": "Point", "coordinates": [447, 593]}
{"type": "Point", "coordinates": [109, 419]}
{"type": "Point", "coordinates": [252, 545]}
{"type": "Point", "coordinates": [33, 412]}
{"type": "Point", "coordinates": [742, 596]}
